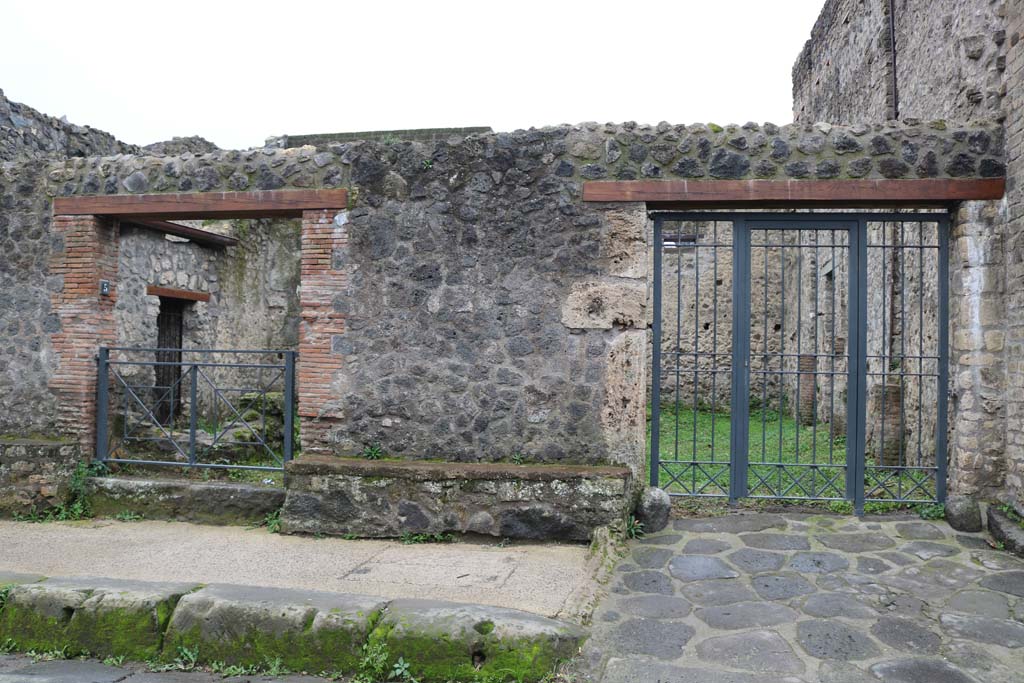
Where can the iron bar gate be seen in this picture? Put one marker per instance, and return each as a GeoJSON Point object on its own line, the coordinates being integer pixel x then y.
{"type": "Point", "coordinates": [214, 413]}
{"type": "Point", "coordinates": [800, 356]}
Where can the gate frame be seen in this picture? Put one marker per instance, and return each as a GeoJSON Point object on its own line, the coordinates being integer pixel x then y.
{"type": "Point", "coordinates": [855, 223]}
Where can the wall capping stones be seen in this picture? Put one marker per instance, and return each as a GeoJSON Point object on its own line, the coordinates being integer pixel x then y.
{"type": "Point", "coordinates": [423, 470]}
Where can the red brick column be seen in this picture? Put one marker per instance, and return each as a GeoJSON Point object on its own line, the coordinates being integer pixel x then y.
{"type": "Point", "coordinates": [89, 255]}
{"type": "Point", "coordinates": [321, 344]}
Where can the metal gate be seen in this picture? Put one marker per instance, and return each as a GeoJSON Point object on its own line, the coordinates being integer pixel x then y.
{"type": "Point", "coordinates": [800, 356]}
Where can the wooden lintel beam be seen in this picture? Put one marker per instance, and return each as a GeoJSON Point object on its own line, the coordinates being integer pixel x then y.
{"type": "Point", "coordinates": [794, 193]}
{"type": "Point", "coordinates": [173, 293]}
{"type": "Point", "coordinates": [199, 205]}
{"type": "Point", "coordinates": [204, 237]}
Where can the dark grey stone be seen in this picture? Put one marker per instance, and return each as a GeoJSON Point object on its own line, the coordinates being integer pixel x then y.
{"type": "Point", "coordinates": [766, 541]}
{"type": "Point", "coordinates": [872, 565]}
{"type": "Point", "coordinates": [1006, 531]}
{"type": "Point", "coordinates": [856, 542]}
{"type": "Point", "coordinates": [919, 670]}
{"type": "Point", "coordinates": [982, 603]}
{"type": "Point", "coordinates": [834, 640]}
{"type": "Point", "coordinates": [729, 165]}
{"type": "Point", "coordinates": [830, 605]}
{"type": "Point", "coordinates": [963, 513]}
{"type": "Point", "coordinates": [742, 615]}
{"type": "Point", "coordinates": [651, 558]}
{"type": "Point", "coordinates": [818, 563]}
{"type": "Point", "coordinates": [653, 510]}
{"type": "Point", "coordinates": [1006, 582]}
{"type": "Point", "coordinates": [732, 523]}
{"type": "Point", "coordinates": [1003, 632]}
{"type": "Point", "coordinates": [699, 568]}
{"type": "Point", "coordinates": [656, 607]}
{"type": "Point", "coordinates": [927, 550]}
{"type": "Point", "coordinates": [843, 672]}
{"type": "Point", "coordinates": [637, 670]}
{"type": "Point", "coordinates": [661, 639]}
{"type": "Point", "coordinates": [781, 586]}
{"type": "Point", "coordinates": [661, 539]}
{"type": "Point", "coordinates": [904, 634]}
{"type": "Point", "coordinates": [704, 546]}
{"type": "Point", "coordinates": [717, 592]}
{"type": "Point", "coordinates": [920, 531]}
{"type": "Point", "coordinates": [756, 561]}
{"type": "Point", "coordinates": [764, 651]}
{"type": "Point", "coordinates": [649, 582]}
{"type": "Point", "coordinates": [65, 671]}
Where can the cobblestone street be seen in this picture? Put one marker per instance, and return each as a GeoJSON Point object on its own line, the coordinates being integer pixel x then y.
{"type": "Point", "coordinates": [796, 597]}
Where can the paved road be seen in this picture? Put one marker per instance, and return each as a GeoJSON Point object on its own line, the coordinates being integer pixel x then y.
{"type": "Point", "coordinates": [21, 669]}
{"type": "Point", "coordinates": [546, 579]}
{"type": "Point", "coordinates": [764, 598]}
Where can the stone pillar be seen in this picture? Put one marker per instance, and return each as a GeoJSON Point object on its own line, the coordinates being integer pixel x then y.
{"type": "Point", "coordinates": [977, 416]}
{"type": "Point", "coordinates": [87, 254]}
{"type": "Point", "coordinates": [322, 342]}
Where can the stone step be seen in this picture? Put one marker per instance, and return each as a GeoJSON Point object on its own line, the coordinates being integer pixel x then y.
{"type": "Point", "coordinates": [181, 500]}
{"type": "Point", "coordinates": [301, 630]}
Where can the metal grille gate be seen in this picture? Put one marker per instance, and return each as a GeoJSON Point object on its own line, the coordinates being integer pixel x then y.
{"type": "Point", "coordinates": [800, 356]}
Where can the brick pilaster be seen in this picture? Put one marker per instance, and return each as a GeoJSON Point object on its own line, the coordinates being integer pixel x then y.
{"type": "Point", "coordinates": [321, 347]}
{"type": "Point", "coordinates": [88, 255]}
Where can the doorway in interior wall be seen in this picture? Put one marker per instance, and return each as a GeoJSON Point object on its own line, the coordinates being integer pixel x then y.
{"type": "Point", "coordinates": [167, 389]}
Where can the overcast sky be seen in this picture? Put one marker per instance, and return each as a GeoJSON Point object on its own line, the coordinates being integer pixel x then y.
{"type": "Point", "coordinates": [238, 72]}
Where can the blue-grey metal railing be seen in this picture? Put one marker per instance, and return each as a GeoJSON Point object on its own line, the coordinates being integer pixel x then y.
{"type": "Point", "coordinates": [231, 419]}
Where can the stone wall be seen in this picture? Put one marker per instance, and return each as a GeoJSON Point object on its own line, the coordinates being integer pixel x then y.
{"type": "Point", "coordinates": [953, 59]}
{"type": "Point", "coordinates": [34, 473]}
{"type": "Point", "coordinates": [28, 134]}
{"type": "Point", "coordinates": [949, 60]}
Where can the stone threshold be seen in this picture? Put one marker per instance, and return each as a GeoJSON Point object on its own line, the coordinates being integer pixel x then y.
{"type": "Point", "coordinates": [1006, 530]}
{"type": "Point", "coordinates": [308, 631]}
{"type": "Point", "coordinates": [431, 470]}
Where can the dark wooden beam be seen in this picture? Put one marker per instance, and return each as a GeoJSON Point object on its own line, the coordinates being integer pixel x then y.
{"type": "Point", "coordinates": [172, 293]}
{"type": "Point", "coordinates": [203, 237]}
{"type": "Point", "coordinates": [198, 205]}
{"type": "Point", "coordinates": [691, 194]}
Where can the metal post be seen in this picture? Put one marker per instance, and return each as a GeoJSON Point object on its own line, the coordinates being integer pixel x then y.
{"type": "Point", "coordinates": [656, 358]}
{"type": "Point", "coordinates": [102, 389]}
{"type": "Point", "coordinates": [943, 392]}
{"type": "Point", "coordinates": [289, 404]}
{"type": "Point", "coordinates": [739, 409]}
{"type": "Point", "coordinates": [193, 415]}
{"type": "Point", "coordinates": [857, 378]}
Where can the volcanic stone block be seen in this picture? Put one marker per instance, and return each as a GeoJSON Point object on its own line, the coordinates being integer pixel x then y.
{"type": "Point", "coordinates": [100, 616]}
{"type": "Point", "coordinates": [246, 625]}
{"type": "Point", "coordinates": [448, 641]}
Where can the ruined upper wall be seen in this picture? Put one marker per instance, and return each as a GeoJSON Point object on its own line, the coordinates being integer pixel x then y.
{"type": "Point", "coordinates": [569, 154]}
{"type": "Point", "coordinates": [28, 134]}
{"type": "Point", "coordinates": [949, 61]}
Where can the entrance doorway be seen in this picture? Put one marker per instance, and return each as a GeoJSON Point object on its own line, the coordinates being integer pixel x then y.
{"type": "Point", "coordinates": [800, 356]}
{"type": "Point", "coordinates": [167, 389]}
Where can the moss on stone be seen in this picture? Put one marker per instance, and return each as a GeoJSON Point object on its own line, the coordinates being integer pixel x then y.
{"type": "Point", "coordinates": [132, 633]}
{"type": "Point", "coordinates": [30, 630]}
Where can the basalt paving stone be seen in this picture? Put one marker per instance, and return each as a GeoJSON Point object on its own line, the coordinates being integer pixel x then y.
{"type": "Point", "coordinates": [651, 637]}
{"type": "Point", "coordinates": [919, 670]}
{"type": "Point", "coordinates": [903, 605]}
{"type": "Point", "coordinates": [997, 561]}
{"type": "Point", "coordinates": [651, 558]}
{"type": "Point", "coordinates": [649, 582]}
{"type": "Point", "coordinates": [717, 592]}
{"type": "Point", "coordinates": [928, 550]}
{"type": "Point", "coordinates": [1002, 632]}
{"type": "Point", "coordinates": [920, 531]}
{"type": "Point", "coordinates": [981, 603]}
{"type": "Point", "coordinates": [818, 563]}
{"type": "Point", "coordinates": [756, 561]}
{"type": "Point", "coordinates": [742, 615]}
{"type": "Point", "coordinates": [636, 670]}
{"type": "Point", "coordinates": [610, 616]}
{"type": "Point", "coordinates": [656, 607]}
{"type": "Point", "coordinates": [65, 671]}
{"type": "Point", "coordinates": [904, 634]}
{"type": "Point", "coordinates": [765, 651]}
{"type": "Point", "coordinates": [731, 524]}
{"type": "Point", "coordinates": [843, 672]}
{"type": "Point", "coordinates": [856, 542]}
{"type": "Point", "coordinates": [973, 542]}
{"type": "Point", "coordinates": [974, 659]}
{"type": "Point", "coordinates": [781, 586]}
{"type": "Point", "coordinates": [829, 605]}
{"type": "Point", "coordinates": [661, 539]}
{"type": "Point", "coordinates": [872, 565]}
{"type": "Point", "coordinates": [767, 541]}
{"type": "Point", "coordinates": [1006, 582]}
{"type": "Point", "coordinates": [834, 640]}
{"type": "Point", "coordinates": [899, 559]}
{"type": "Point", "coordinates": [700, 568]}
{"type": "Point", "coordinates": [704, 546]}
{"type": "Point", "coordinates": [626, 567]}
